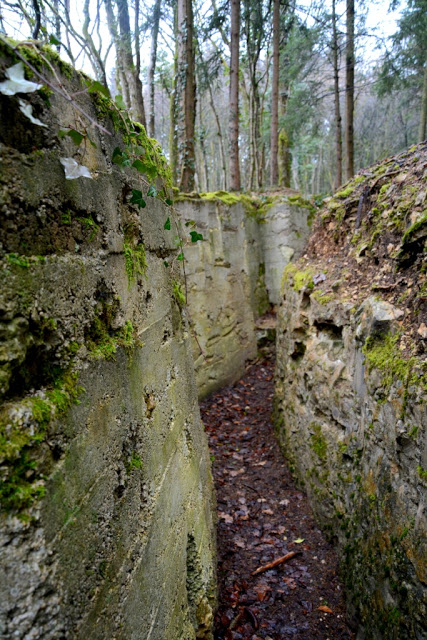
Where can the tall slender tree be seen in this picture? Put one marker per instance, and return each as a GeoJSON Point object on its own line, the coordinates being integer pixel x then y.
{"type": "Point", "coordinates": [338, 124]}
{"type": "Point", "coordinates": [405, 66]}
{"type": "Point", "coordinates": [234, 96]}
{"type": "Point", "coordinates": [274, 175]}
{"type": "Point", "coordinates": [349, 89]}
{"type": "Point", "coordinates": [186, 94]}
{"type": "Point", "coordinates": [131, 70]}
{"type": "Point", "coordinates": [152, 67]}
{"type": "Point", "coordinates": [422, 131]}
{"type": "Point", "coordinates": [122, 83]}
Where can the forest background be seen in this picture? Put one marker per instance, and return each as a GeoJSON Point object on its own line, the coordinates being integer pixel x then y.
{"type": "Point", "coordinates": [250, 95]}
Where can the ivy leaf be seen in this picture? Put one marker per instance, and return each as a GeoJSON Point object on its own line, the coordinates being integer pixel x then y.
{"type": "Point", "coordinates": [117, 156]}
{"type": "Point", "coordinates": [150, 171]}
{"type": "Point", "coordinates": [169, 202]}
{"type": "Point", "coordinates": [181, 256]}
{"type": "Point", "coordinates": [165, 263]}
{"type": "Point", "coordinates": [167, 224]}
{"type": "Point", "coordinates": [54, 40]}
{"type": "Point", "coordinates": [98, 86]}
{"type": "Point", "coordinates": [138, 199]}
{"type": "Point", "coordinates": [91, 141]}
{"type": "Point", "coordinates": [75, 135]}
{"type": "Point", "coordinates": [152, 191]}
{"type": "Point", "coordinates": [139, 166]}
{"type": "Point", "coordinates": [119, 102]}
{"type": "Point", "coordinates": [195, 237]}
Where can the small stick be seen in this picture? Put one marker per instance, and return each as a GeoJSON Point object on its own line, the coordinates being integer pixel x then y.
{"type": "Point", "coordinates": [274, 563]}
{"type": "Point", "coordinates": [389, 173]}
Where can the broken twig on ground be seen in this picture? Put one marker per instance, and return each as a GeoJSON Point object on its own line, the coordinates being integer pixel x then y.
{"type": "Point", "coordinates": [274, 563]}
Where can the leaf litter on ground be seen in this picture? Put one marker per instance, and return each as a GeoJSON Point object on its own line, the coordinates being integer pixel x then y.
{"type": "Point", "coordinates": [264, 518]}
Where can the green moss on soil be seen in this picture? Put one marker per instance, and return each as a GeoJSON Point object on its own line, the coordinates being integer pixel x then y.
{"type": "Point", "coordinates": [301, 279]}
{"type": "Point", "coordinates": [321, 296]}
{"type": "Point", "coordinates": [419, 224]}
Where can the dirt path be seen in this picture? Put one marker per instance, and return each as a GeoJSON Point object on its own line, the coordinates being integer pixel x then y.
{"type": "Point", "coordinates": [262, 516]}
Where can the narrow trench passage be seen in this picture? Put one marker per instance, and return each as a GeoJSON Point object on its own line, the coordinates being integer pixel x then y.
{"type": "Point", "coordinates": [262, 516]}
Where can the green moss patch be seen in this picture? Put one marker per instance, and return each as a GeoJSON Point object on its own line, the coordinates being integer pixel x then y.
{"type": "Point", "coordinates": [254, 206]}
{"type": "Point", "coordinates": [135, 261]}
{"type": "Point", "coordinates": [299, 279]}
{"type": "Point", "coordinates": [383, 353]}
{"type": "Point", "coordinates": [179, 294]}
{"type": "Point", "coordinates": [102, 341]}
{"type": "Point", "coordinates": [418, 224]}
{"type": "Point", "coordinates": [318, 442]}
{"type": "Point", "coordinates": [21, 429]}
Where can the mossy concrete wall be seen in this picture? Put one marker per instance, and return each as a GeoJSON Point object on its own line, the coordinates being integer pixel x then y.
{"type": "Point", "coordinates": [354, 429]}
{"type": "Point", "coordinates": [233, 277]}
{"type": "Point", "coordinates": [106, 523]}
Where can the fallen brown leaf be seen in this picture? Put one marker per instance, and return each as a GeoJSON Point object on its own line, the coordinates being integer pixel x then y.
{"type": "Point", "coordinates": [226, 517]}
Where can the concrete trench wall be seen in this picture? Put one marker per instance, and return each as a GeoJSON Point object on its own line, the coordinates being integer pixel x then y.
{"type": "Point", "coordinates": [233, 277]}
{"type": "Point", "coordinates": [357, 442]}
{"type": "Point", "coordinates": [106, 528]}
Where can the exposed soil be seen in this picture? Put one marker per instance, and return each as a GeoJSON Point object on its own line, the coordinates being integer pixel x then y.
{"type": "Point", "coordinates": [262, 516]}
{"type": "Point", "coordinates": [363, 251]}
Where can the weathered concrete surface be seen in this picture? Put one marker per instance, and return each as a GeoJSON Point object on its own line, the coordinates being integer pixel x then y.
{"type": "Point", "coordinates": [283, 237]}
{"type": "Point", "coordinates": [106, 526]}
{"type": "Point", "coordinates": [356, 439]}
{"type": "Point", "coordinates": [233, 277]}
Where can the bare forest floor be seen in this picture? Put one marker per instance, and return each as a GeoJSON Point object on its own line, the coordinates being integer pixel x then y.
{"type": "Point", "coordinates": [263, 516]}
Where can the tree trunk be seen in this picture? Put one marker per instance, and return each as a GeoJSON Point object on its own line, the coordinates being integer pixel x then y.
{"type": "Point", "coordinates": [349, 89]}
{"type": "Point", "coordinates": [234, 96]}
{"type": "Point", "coordinates": [139, 104]}
{"type": "Point", "coordinates": [423, 118]}
{"type": "Point", "coordinates": [257, 134]}
{"type": "Point", "coordinates": [186, 91]}
{"type": "Point", "coordinates": [338, 125]}
{"type": "Point", "coordinates": [131, 72]}
{"type": "Point", "coordinates": [220, 139]}
{"type": "Point", "coordinates": [274, 176]}
{"type": "Point", "coordinates": [204, 184]}
{"type": "Point", "coordinates": [285, 159]}
{"type": "Point", "coordinates": [152, 67]}
{"type": "Point", "coordinates": [57, 21]}
{"type": "Point", "coordinates": [95, 58]}
{"type": "Point", "coordinates": [173, 107]}
{"type": "Point", "coordinates": [112, 27]}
